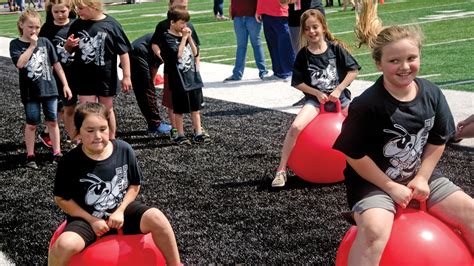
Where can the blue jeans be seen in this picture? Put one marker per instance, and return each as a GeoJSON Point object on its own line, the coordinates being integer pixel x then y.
{"type": "Point", "coordinates": [245, 27]}
{"type": "Point", "coordinates": [279, 45]}
{"type": "Point", "coordinates": [33, 110]}
{"type": "Point", "coordinates": [218, 6]}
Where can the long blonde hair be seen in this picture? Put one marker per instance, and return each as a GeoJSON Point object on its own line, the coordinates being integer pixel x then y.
{"type": "Point", "coordinates": [316, 14]}
{"type": "Point", "coordinates": [369, 31]}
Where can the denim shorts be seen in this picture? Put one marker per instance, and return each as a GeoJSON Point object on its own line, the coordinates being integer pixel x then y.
{"type": "Point", "coordinates": [33, 110]}
{"type": "Point", "coordinates": [345, 100]}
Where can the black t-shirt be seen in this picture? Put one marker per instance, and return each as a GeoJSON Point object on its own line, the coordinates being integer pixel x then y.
{"type": "Point", "coordinates": [58, 36]}
{"type": "Point", "coordinates": [323, 71]}
{"type": "Point", "coordinates": [36, 77]}
{"type": "Point", "coordinates": [95, 58]}
{"type": "Point", "coordinates": [185, 65]}
{"type": "Point", "coordinates": [97, 186]}
{"type": "Point", "coordinates": [141, 47]}
{"type": "Point", "coordinates": [392, 133]}
{"type": "Point", "coordinates": [295, 15]}
{"type": "Point", "coordinates": [159, 36]}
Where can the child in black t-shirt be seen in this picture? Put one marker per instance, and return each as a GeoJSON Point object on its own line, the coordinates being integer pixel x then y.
{"type": "Point", "coordinates": [34, 56]}
{"type": "Point", "coordinates": [322, 71]}
{"type": "Point", "coordinates": [94, 71]}
{"type": "Point", "coordinates": [58, 20]}
{"type": "Point", "coordinates": [179, 51]}
{"type": "Point", "coordinates": [96, 186]}
{"type": "Point", "coordinates": [393, 138]}
{"type": "Point", "coordinates": [156, 44]}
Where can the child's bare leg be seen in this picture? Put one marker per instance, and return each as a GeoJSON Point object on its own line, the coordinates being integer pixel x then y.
{"type": "Point", "coordinates": [154, 221]}
{"type": "Point", "coordinates": [457, 210]}
{"type": "Point", "coordinates": [171, 117]}
{"type": "Point", "coordinates": [179, 120]}
{"type": "Point", "coordinates": [30, 135]}
{"type": "Point", "coordinates": [373, 231]}
{"type": "Point", "coordinates": [304, 117]}
{"type": "Point", "coordinates": [67, 245]}
{"type": "Point", "coordinates": [196, 119]}
{"type": "Point", "coordinates": [68, 118]}
{"type": "Point", "coordinates": [109, 104]}
{"type": "Point", "coordinates": [54, 135]}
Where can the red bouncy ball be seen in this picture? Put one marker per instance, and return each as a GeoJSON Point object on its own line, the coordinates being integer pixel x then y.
{"type": "Point", "coordinates": [313, 158]}
{"type": "Point", "coordinates": [116, 250]}
{"type": "Point", "coordinates": [417, 238]}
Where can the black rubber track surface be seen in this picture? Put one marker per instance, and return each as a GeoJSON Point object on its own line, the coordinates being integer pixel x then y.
{"type": "Point", "coordinates": [217, 196]}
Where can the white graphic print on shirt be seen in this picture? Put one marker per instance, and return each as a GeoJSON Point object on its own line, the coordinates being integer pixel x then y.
{"type": "Point", "coordinates": [92, 48]}
{"type": "Point", "coordinates": [105, 195]}
{"type": "Point", "coordinates": [326, 80]}
{"type": "Point", "coordinates": [38, 66]}
{"type": "Point", "coordinates": [64, 56]}
{"type": "Point", "coordinates": [185, 63]}
{"type": "Point", "coordinates": [404, 151]}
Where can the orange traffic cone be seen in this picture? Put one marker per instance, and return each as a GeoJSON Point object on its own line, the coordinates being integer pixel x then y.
{"type": "Point", "coordinates": [159, 80]}
{"type": "Point", "coordinates": [381, 2]}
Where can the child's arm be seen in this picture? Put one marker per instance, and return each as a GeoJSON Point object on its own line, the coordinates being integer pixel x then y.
{"type": "Point", "coordinates": [351, 75]}
{"type": "Point", "coordinates": [71, 43]}
{"type": "Point", "coordinates": [126, 81]}
{"type": "Point", "coordinates": [322, 97]}
{"type": "Point", "coordinates": [60, 72]}
{"type": "Point", "coordinates": [116, 219]}
{"type": "Point", "coordinates": [25, 57]}
{"type": "Point", "coordinates": [182, 44]}
{"type": "Point", "coordinates": [157, 51]}
{"type": "Point", "coordinates": [429, 160]}
{"type": "Point", "coordinates": [368, 170]}
{"type": "Point", "coordinates": [71, 208]}
{"type": "Point", "coordinates": [197, 59]}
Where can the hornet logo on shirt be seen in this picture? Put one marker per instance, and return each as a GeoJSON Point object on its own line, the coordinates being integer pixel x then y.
{"type": "Point", "coordinates": [326, 80]}
{"type": "Point", "coordinates": [106, 195]}
{"type": "Point", "coordinates": [92, 48]}
{"type": "Point", "coordinates": [185, 63]}
{"type": "Point", "coordinates": [37, 66]}
{"type": "Point", "coordinates": [64, 56]}
{"type": "Point", "coordinates": [404, 151]}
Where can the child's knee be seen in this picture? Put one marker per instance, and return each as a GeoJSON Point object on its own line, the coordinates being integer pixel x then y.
{"type": "Point", "coordinates": [68, 243]}
{"type": "Point", "coordinates": [375, 233]}
{"type": "Point", "coordinates": [52, 124]}
{"type": "Point", "coordinates": [30, 127]}
{"type": "Point", "coordinates": [296, 128]}
{"type": "Point", "coordinates": [156, 219]}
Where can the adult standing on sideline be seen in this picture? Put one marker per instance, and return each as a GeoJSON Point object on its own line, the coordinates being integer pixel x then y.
{"type": "Point", "coordinates": [275, 26]}
{"type": "Point", "coordinates": [295, 9]}
{"type": "Point", "coordinates": [242, 12]}
{"type": "Point", "coordinates": [219, 10]}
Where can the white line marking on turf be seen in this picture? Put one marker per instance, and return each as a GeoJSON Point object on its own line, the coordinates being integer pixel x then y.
{"type": "Point", "coordinates": [211, 56]}
{"type": "Point", "coordinates": [457, 83]}
{"type": "Point", "coordinates": [429, 76]}
{"type": "Point", "coordinates": [223, 60]}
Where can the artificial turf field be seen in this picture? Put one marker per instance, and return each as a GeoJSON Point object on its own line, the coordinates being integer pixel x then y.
{"type": "Point", "coordinates": [217, 196]}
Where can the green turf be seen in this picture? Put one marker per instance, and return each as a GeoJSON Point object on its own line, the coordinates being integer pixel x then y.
{"type": "Point", "coordinates": [447, 56]}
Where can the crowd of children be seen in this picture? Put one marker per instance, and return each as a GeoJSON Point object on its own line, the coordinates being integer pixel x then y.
{"type": "Point", "coordinates": [393, 137]}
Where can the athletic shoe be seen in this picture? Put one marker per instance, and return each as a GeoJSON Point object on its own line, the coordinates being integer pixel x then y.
{"type": "Point", "coordinates": [31, 162]}
{"type": "Point", "coordinates": [231, 79]}
{"type": "Point", "coordinates": [201, 138]}
{"type": "Point", "coordinates": [182, 140]}
{"type": "Point", "coordinates": [265, 76]}
{"type": "Point", "coordinates": [57, 158]}
{"type": "Point", "coordinates": [173, 133]}
{"type": "Point", "coordinates": [163, 128]}
{"type": "Point", "coordinates": [280, 179]}
{"type": "Point", "coordinates": [45, 139]}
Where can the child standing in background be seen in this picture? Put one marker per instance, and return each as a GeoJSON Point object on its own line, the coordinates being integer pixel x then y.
{"type": "Point", "coordinates": [55, 29]}
{"type": "Point", "coordinates": [96, 164]}
{"type": "Point", "coordinates": [34, 56]}
{"type": "Point", "coordinates": [323, 69]}
{"type": "Point", "coordinates": [179, 52]}
{"type": "Point", "coordinates": [94, 71]}
{"type": "Point", "coordinates": [393, 138]}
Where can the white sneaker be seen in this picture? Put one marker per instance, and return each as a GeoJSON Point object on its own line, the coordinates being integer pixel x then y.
{"type": "Point", "coordinates": [280, 179]}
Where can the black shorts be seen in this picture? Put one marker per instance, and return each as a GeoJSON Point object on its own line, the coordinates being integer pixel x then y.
{"type": "Point", "coordinates": [131, 226]}
{"type": "Point", "coordinates": [186, 101]}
